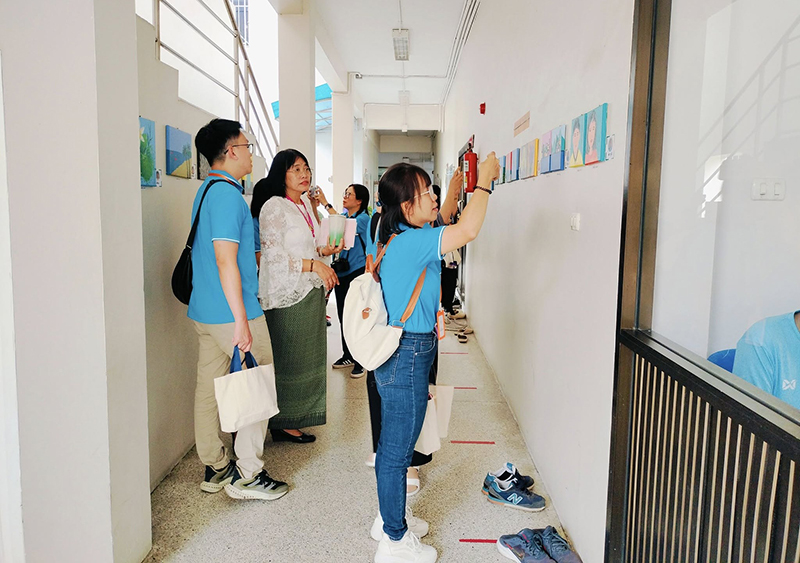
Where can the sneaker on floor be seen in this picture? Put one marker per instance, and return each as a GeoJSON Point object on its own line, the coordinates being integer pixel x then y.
{"type": "Point", "coordinates": [458, 315]}
{"type": "Point", "coordinates": [358, 371]}
{"type": "Point", "coordinates": [508, 493]}
{"type": "Point", "coordinates": [262, 486]}
{"type": "Point", "coordinates": [557, 547]}
{"type": "Point", "coordinates": [506, 473]}
{"type": "Point", "coordinates": [418, 526]}
{"type": "Point", "coordinates": [215, 480]}
{"type": "Point", "coordinates": [342, 363]}
{"type": "Point", "coordinates": [525, 547]}
{"type": "Point", "coordinates": [407, 550]}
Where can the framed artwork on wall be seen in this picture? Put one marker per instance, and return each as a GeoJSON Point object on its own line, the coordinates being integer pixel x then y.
{"type": "Point", "coordinates": [147, 152]}
{"type": "Point", "coordinates": [545, 147]}
{"type": "Point", "coordinates": [558, 148]}
{"type": "Point", "coordinates": [576, 141]}
{"type": "Point", "coordinates": [595, 136]}
{"type": "Point", "coordinates": [179, 153]}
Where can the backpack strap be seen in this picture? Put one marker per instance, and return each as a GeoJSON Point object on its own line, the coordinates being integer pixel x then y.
{"type": "Point", "coordinates": [374, 268]}
{"type": "Point", "coordinates": [414, 297]}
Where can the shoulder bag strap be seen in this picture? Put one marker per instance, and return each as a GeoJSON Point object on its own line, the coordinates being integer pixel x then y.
{"type": "Point", "coordinates": [414, 297]}
{"type": "Point", "coordinates": [190, 240]}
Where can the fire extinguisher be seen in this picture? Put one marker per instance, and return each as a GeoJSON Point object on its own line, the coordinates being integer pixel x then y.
{"type": "Point", "coordinates": [470, 171]}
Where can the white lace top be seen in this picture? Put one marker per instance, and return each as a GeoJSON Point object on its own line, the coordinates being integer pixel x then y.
{"type": "Point", "coordinates": [285, 241]}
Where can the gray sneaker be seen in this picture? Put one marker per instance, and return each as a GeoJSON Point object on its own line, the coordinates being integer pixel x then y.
{"type": "Point", "coordinates": [557, 547]}
{"type": "Point", "coordinates": [215, 480]}
{"type": "Point", "coordinates": [524, 547]}
{"type": "Point", "coordinates": [262, 486]}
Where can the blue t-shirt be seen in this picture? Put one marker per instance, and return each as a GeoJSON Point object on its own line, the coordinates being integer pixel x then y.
{"type": "Point", "coordinates": [768, 356]}
{"type": "Point", "coordinates": [356, 255]}
{"type": "Point", "coordinates": [257, 234]}
{"type": "Point", "coordinates": [406, 256]}
{"type": "Point", "coordinates": [224, 216]}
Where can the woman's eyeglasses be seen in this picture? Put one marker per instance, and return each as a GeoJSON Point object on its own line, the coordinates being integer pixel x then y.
{"type": "Point", "coordinates": [300, 170]}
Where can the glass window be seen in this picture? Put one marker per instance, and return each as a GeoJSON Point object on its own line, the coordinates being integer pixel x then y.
{"type": "Point", "coordinates": [728, 254]}
{"type": "Point", "coordinates": [241, 11]}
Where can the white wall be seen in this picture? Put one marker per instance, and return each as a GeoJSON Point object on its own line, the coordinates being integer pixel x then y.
{"type": "Point", "coordinates": [369, 156]}
{"type": "Point", "coordinates": [76, 257]}
{"type": "Point", "coordinates": [723, 264]}
{"type": "Point", "coordinates": [171, 340]}
{"type": "Point", "coordinates": [552, 344]}
{"type": "Point", "coordinates": [323, 170]}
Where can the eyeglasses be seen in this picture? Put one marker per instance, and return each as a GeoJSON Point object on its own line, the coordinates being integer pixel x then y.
{"type": "Point", "coordinates": [248, 145]}
{"type": "Point", "coordinates": [427, 192]}
{"type": "Point", "coordinates": [297, 169]}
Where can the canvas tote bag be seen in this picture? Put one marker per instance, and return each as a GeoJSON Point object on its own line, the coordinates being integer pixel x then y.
{"type": "Point", "coordinates": [246, 396]}
{"type": "Point", "coordinates": [437, 419]}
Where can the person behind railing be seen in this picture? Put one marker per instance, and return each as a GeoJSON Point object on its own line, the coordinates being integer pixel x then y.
{"type": "Point", "coordinates": [768, 356]}
{"type": "Point", "coordinates": [225, 310]}
{"type": "Point", "coordinates": [409, 207]}
{"type": "Point", "coordinates": [292, 283]}
{"type": "Point", "coordinates": [354, 204]}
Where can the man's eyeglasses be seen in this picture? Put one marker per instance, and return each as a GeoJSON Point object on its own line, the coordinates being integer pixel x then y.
{"type": "Point", "coordinates": [248, 145]}
{"type": "Point", "coordinates": [300, 170]}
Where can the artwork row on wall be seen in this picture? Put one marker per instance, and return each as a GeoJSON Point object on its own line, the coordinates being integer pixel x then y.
{"type": "Point", "coordinates": [581, 143]}
{"type": "Point", "coordinates": [179, 154]}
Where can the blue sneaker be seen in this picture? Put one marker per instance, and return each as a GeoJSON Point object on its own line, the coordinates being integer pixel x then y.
{"type": "Point", "coordinates": [558, 548]}
{"type": "Point", "coordinates": [509, 494]}
{"type": "Point", "coordinates": [506, 473]}
{"type": "Point", "coordinates": [525, 547]}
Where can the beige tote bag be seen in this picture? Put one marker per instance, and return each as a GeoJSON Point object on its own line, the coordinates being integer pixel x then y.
{"type": "Point", "coordinates": [246, 396]}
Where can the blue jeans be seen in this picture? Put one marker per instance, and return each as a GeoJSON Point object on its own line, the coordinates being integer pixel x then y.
{"type": "Point", "coordinates": [403, 386]}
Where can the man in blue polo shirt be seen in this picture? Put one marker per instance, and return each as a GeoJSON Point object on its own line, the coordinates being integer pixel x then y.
{"type": "Point", "coordinates": [768, 356]}
{"type": "Point", "coordinates": [226, 313]}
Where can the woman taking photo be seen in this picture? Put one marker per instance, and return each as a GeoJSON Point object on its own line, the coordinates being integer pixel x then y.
{"type": "Point", "coordinates": [291, 287]}
{"type": "Point", "coordinates": [409, 206]}
{"type": "Point", "coordinates": [355, 203]}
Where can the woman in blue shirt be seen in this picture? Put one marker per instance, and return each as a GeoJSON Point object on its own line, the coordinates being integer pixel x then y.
{"type": "Point", "coordinates": [355, 203]}
{"type": "Point", "coordinates": [409, 206]}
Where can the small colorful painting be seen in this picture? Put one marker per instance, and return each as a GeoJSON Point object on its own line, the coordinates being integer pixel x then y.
{"type": "Point", "coordinates": [501, 179]}
{"type": "Point", "coordinates": [515, 165]}
{"type": "Point", "coordinates": [595, 136]}
{"type": "Point", "coordinates": [558, 140]}
{"type": "Point", "coordinates": [179, 153]}
{"type": "Point", "coordinates": [576, 142]}
{"type": "Point", "coordinates": [535, 157]}
{"type": "Point", "coordinates": [147, 152]}
{"type": "Point", "coordinates": [509, 166]}
{"type": "Point", "coordinates": [545, 148]}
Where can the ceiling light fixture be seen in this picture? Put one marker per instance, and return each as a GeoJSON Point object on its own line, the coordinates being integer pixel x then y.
{"type": "Point", "coordinates": [400, 40]}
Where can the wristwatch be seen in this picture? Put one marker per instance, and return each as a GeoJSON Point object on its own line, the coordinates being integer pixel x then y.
{"type": "Point", "coordinates": [328, 206]}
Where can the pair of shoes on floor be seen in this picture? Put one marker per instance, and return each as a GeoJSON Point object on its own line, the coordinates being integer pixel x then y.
{"type": "Point", "coordinates": [261, 486]}
{"type": "Point", "coordinates": [279, 435]}
{"type": "Point", "coordinates": [407, 549]}
{"type": "Point", "coordinates": [462, 338]}
{"type": "Point", "coordinates": [417, 526]}
{"type": "Point", "coordinates": [457, 315]}
{"type": "Point", "coordinates": [539, 546]}
{"type": "Point", "coordinates": [512, 491]}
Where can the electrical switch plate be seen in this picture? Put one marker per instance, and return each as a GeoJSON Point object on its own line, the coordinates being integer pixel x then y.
{"type": "Point", "coordinates": [768, 189]}
{"type": "Point", "coordinates": [575, 222]}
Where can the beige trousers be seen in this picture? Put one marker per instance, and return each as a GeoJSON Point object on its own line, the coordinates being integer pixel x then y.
{"type": "Point", "coordinates": [214, 360]}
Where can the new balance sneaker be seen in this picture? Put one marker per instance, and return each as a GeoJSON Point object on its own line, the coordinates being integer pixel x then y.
{"type": "Point", "coordinates": [509, 494]}
{"type": "Point", "coordinates": [358, 371]}
{"type": "Point", "coordinates": [215, 480]}
{"type": "Point", "coordinates": [262, 486]}
{"type": "Point", "coordinates": [506, 473]}
{"type": "Point", "coordinates": [407, 550]}
{"type": "Point", "coordinates": [417, 525]}
{"type": "Point", "coordinates": [525, 547]}
{"type": "Point", "coordinates": [558, 548]}
{"type": "Point", "coordinates": [342, 363]}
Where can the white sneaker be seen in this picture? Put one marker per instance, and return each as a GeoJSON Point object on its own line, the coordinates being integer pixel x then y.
{"type": "Point", "coordinates": [408, 549]}
{"type": "Point", "coordinates": [418, 526]}
{"type": "Point", "coordinates": [370, 462]}
{"type": "Point", "coordinates": [458, 315]}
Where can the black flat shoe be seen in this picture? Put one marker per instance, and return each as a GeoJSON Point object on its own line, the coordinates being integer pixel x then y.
{"type": "Point", "coordinates": [279, 435]}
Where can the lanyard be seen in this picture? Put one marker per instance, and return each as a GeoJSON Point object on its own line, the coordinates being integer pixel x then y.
{"type": "Point", "coordinates": [231, 182]}
{"type": "Point", "coordinates": [306, 215]}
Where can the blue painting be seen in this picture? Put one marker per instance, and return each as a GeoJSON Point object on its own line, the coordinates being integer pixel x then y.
{"type": "Point", "coordinates": [545, 147]}
{"type": "Point", "coordinates": [179, 153]}
{"type": "Point", "coordinates": [595, 136]}
{"type": "Point", "coordinates": [147, 152]}
{"type": "Point", "coordinates": [558, 140]}
{"type": "Point", "coordinates": [502, 178]}
{"type": "Point", "coordinates": [515, 165]}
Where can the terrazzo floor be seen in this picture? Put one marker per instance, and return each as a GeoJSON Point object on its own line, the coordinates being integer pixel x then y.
{"type": "Point", "coordinates": [327, 514]}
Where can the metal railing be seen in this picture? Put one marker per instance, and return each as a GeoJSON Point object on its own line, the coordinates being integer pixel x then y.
{"type": "Point", "coordinates": [249, 104]}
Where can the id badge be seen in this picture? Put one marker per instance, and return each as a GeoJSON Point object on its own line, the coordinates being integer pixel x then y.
{"type": "Point", "coordinates": [440, 329]}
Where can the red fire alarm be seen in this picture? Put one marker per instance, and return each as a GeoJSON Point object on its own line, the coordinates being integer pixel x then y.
{"type": "Point", "coordinates": [483, 109]}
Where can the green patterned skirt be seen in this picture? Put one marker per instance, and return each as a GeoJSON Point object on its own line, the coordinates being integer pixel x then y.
{"type": "Point", "coordinates": [299, 348]}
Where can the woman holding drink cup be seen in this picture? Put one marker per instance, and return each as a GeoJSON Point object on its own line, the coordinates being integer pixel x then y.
{"type": "Point", "coordinates": [292, 284]}
{"type": "Point", "coordinates": [355, 203]}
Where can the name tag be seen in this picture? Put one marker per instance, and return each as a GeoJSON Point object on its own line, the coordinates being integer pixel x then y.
{"type": "Point", "coordinates": [441, 331]}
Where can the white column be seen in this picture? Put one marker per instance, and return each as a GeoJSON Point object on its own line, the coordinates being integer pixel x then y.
{"type": "Point", "coordinates": [70, 95]}
{"type": "Point", "coordinates": [342, 144]}
{"type": "Point", "coordinates": [296, 81]}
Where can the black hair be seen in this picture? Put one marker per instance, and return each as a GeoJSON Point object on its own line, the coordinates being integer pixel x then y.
{"type": "Point", "coordinates": [213, 138]}
{"type": "Point", "coordinates": [398, 185]}
{"type": "Point", "coordinates": [275, 182]}
{"type": "Point", "coordinates": [362, 194]}
{"type": "Point", "coordinates": [438, 191]}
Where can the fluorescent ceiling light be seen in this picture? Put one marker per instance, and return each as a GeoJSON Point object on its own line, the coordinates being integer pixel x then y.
{"type": "Point", "coordinates": [400, 40]}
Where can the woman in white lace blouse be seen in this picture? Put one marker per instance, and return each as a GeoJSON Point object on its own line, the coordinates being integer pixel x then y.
{"type": "Point", "coordinates": [292, 284]}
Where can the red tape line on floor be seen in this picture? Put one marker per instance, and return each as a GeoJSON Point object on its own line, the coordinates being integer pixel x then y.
{"type": "Point", "coordinates": [477, 541]}
{"type": "Point", "coordinates": [454, 353]}
{"type": "Point", "coordinates": [470, 442]}
{"type": "Point", "coordinates": [464, 387]}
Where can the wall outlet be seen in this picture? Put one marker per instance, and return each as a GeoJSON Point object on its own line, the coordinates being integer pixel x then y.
{"type": "Point", "coordinates": [575, 222]}
{"type": "Point", "coordinates": [768, 189]}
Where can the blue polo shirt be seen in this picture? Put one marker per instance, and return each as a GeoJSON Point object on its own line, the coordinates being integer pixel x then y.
{"type": "Point", "coordinates": [224, 216]}
{"type": "Point", "coordinates": [406, 256]}
{"type": "Point", "coordinates": [768, 356]}
{"type": "Point", "coordinates": [356, 255]}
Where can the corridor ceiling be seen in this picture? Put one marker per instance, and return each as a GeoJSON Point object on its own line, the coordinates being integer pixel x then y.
{"type": "Point", "coordinates": [361, 32]}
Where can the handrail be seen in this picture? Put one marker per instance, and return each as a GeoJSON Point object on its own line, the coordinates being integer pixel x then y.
{"type": "Point", "coordinates": [244, 101]}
